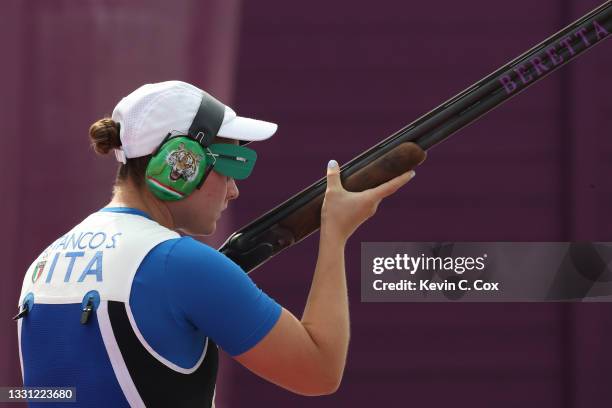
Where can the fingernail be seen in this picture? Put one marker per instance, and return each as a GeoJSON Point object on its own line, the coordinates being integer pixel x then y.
{"type": "Point", "coordinates": [332, 164]}
{"type": "Point", "coordinates": [412, 173]}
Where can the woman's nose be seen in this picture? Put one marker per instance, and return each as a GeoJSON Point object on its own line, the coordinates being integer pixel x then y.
{"type": "Point", "coordinates": [232, 191]}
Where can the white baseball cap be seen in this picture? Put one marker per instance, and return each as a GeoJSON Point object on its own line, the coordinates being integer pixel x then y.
{"type": "Point", "coordinates": [152, 111]}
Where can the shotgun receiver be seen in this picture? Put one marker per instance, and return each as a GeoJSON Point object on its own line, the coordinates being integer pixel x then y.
{"type": "Point", "coordinates": [299, 216]}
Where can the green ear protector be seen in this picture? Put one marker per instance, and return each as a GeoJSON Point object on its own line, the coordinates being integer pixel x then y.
{"type": "Point", "coordinates": [181, 163]}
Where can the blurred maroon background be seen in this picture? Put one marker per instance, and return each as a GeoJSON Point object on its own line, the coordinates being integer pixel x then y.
{"type": "Point", "coordinates": [337, 77]}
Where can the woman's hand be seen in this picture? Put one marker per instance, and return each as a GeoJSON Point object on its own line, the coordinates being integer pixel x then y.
{"type": "Point", "coordinates": [344, 211]}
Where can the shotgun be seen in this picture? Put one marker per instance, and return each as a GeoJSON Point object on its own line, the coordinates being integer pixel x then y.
{"type": "Point", "coordinates": [300, 215]}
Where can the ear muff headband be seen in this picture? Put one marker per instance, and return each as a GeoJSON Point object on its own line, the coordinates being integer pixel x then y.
{"type": "Point", "coordinates": [207, 121]}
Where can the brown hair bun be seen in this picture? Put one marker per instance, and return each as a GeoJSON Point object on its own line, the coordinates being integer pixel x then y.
{"type": "Point", "coordinates": [104, 135]}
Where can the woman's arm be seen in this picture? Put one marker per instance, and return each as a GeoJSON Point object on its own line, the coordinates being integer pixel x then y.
{"type": "Point", "coordinates": [308, 356]}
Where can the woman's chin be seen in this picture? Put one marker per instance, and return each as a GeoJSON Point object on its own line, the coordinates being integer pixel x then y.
{"type": "Point", "coordinates": [211, 229]}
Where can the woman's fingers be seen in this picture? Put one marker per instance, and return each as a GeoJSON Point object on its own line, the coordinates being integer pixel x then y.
{"type": "Point", "coordinates": [379, 192]}
{"type": "Point", "coordinates": [391, 186]}
{"type": "Point", "coordinates": [343, 211]}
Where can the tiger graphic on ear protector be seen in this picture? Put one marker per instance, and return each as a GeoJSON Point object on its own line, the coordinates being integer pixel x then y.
{"type": "Point", "coordinates": [183, 163]}
{"type": "Point", "coordinates": [177, 169]}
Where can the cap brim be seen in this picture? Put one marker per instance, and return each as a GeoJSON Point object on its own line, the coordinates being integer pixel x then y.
{"type": "Point", "coordinates": [248, 130]}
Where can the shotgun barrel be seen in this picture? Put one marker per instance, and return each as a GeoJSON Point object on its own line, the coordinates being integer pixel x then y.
{"type": "Point", "coordinates": [300, 216]}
